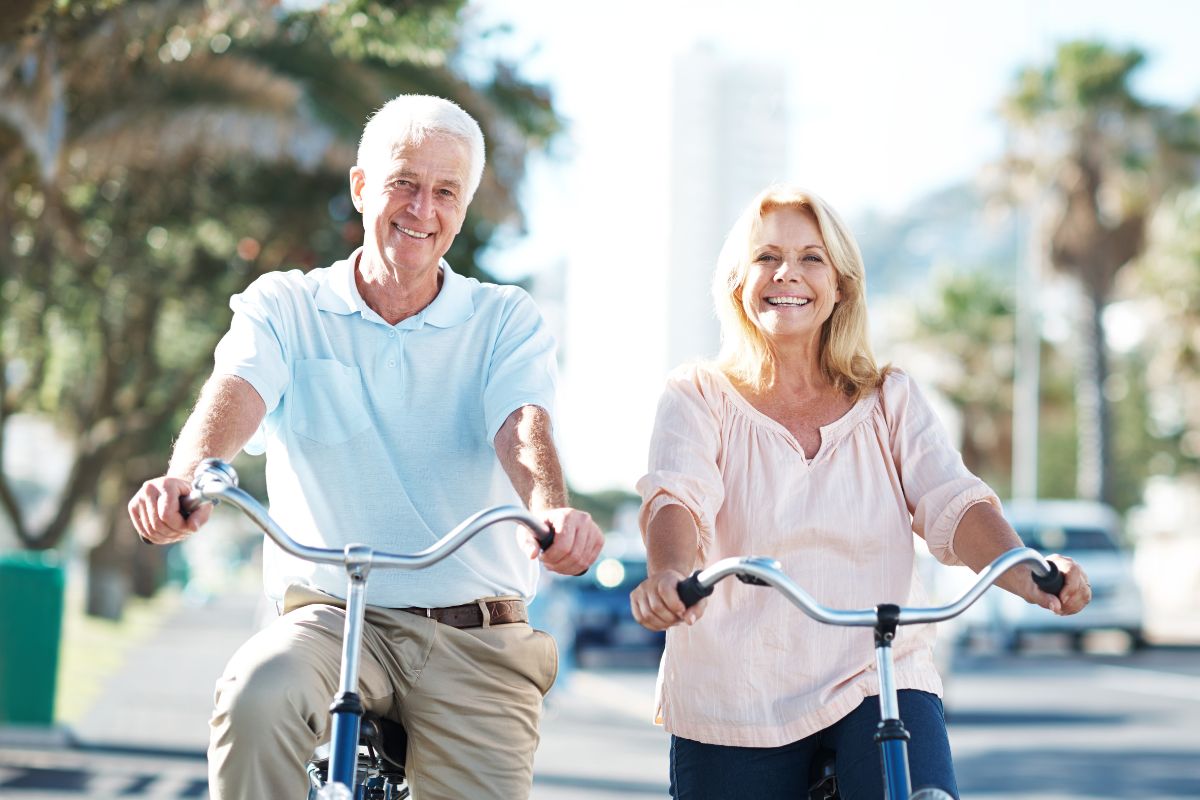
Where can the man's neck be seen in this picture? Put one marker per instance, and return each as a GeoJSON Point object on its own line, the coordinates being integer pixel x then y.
{"type": "Point", "coordinates": [395, 295]}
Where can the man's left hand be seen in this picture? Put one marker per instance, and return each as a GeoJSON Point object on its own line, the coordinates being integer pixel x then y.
{"type": "Point", "coordinates": [577, 541]}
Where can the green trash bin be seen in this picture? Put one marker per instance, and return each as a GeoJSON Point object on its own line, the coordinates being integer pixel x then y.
{"type": "Point", "coordinates": [31, 612]}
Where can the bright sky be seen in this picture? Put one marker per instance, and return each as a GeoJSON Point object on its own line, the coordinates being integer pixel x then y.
{"type": "Point", "coordinates": [888, 101]}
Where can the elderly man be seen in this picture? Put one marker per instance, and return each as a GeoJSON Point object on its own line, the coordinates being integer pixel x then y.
{"type": "Point", "coordinates": [387, 392]}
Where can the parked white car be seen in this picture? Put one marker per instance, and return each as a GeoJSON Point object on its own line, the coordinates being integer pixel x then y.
{"type": "Point", "coordinates": [1089, 533]}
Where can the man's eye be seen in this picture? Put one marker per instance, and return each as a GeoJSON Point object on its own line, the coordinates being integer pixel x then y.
{"type": "Point", "coordinates": [446, 192]}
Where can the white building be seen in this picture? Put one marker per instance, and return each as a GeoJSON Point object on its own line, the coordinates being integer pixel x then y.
{"type": "Point", "coordinates": [649, 225]}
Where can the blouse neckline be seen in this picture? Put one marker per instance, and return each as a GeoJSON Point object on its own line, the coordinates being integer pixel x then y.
{"type": "Point", "coordinates": [830, 432]}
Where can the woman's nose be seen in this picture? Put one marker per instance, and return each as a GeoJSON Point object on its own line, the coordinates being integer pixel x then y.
{"type": "Point", "coordinates": [784, 271]}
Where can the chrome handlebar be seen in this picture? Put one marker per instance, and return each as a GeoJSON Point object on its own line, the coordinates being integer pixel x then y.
{"type": "Point", "coordinates": [216, 482]}
{"type": "Point", "coordinates": [768, 572]}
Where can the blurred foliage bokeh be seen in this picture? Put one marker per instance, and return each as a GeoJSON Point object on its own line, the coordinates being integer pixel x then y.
{"type": "Point", "coordinates": [158, 155]}
{"type": "Point", "coordinates": [1095, 160]}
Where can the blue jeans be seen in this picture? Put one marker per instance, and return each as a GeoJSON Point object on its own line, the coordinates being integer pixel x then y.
{"type": "Point", "coordinates": [718, 772]}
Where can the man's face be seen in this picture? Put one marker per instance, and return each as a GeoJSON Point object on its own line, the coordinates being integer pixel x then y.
{"type": "Point", "coordinates": [413, 202]}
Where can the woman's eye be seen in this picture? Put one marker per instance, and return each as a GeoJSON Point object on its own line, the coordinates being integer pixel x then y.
{"type": "Point", "coordinates": [765, 257]}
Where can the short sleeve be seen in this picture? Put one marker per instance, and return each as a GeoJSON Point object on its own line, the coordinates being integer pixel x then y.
{"type": "Point", "coordinates": [684, 451]}
{"type": "Point", "coordinates": [253, 348]}
{"type": "Point", "coordinates": [938, 487]}
{"type": "Point", "coordinates": [522, 370]}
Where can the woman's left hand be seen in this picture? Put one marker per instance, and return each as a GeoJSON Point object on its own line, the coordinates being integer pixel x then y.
{"type": "Point", "coordinates": [1075, 593]}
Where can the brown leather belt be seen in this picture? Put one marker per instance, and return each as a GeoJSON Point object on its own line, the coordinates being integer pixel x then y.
{"type": "Point", "coordinates": [470, 615]}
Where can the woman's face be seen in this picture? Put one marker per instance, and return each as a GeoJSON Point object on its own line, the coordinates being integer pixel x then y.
{"type": "Point", "coordinates": [790, 287]}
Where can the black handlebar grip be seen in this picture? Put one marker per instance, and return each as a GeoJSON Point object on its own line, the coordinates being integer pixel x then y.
{"type": "Point", "coordinates": [690, 590]}
{"type": "Point", "coordinates": [547, 540]}
{"type": "Point", "coordinates": [188, 504]}
{"type": "Point", "coordinates": [1051, 582]}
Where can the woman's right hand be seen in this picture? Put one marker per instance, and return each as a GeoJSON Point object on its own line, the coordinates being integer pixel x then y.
{"type": "Point", "coordinates": [656, 604]}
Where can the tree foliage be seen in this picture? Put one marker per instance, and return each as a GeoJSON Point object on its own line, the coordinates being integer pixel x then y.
{"type": "Point", "coordinates": [1167, 288]}
{"type": "Point", "coordinates": [1097, 159]}
{"type": "Point", "coordinates": [156, 156]}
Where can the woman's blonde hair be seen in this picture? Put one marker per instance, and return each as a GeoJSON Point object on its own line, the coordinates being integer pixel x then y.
{"type": "Point", "coordinates": [846, 358]}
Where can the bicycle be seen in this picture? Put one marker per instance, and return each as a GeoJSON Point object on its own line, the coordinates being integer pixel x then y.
{"type": "Point", "coordinates": [335, 772]}
{"type": "Point", "coordinates": [884, 618]}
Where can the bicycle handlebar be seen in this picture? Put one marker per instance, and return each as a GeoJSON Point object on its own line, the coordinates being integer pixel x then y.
{"type": "Point", "coordinates": [216, 481]}
{"type": "Point", "coordinates": [768, 572]}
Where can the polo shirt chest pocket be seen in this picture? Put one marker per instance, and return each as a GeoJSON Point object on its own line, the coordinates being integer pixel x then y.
{"type": "Point", "coordinates": [327, 401]}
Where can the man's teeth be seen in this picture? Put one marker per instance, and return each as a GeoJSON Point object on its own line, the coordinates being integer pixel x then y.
{"type": "Point", "coordinates": [787, 301]}
{"type": "Point", "coordinates": [414, 234]}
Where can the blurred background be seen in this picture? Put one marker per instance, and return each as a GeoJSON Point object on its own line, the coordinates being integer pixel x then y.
{"type": "Point", "coordinates": [1022, 178]}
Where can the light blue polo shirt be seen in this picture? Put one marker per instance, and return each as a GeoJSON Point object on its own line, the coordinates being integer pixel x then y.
{"type": "Point", "coordinates": [383, 434]}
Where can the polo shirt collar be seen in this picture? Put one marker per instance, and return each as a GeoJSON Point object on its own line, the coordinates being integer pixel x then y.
{"type": "Point", "coordinates": [338, 294]}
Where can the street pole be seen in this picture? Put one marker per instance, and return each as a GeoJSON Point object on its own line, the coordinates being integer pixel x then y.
{"type": "Point", "coordinates": [1028, 352]}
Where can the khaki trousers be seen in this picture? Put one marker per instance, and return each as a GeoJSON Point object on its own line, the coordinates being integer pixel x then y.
{"type": "Point", "coordinates": [470, 700]}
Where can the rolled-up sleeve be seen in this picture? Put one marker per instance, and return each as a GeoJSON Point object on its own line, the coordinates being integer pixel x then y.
{"type": "Point", "coordinates": [522, 370]}
{"type": "Point", "coordinates": [253, 349]}
{"type": "Point", "coordinates": [938, 487]}
{"type": "Point", "coordinates": [684, 449]}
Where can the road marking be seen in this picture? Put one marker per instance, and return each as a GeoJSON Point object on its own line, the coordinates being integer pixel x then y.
{"type": "Point", "coordinates": [1151, 682]}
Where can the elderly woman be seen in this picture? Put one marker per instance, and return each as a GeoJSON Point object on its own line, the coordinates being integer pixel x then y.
{"type": "Point", "coordinates": [794, 444]}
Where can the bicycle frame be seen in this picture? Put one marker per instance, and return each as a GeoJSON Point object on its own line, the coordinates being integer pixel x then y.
{"type": "Point", "coordinates": [216, 482]}
{"type": "Point", "coordinates": [891, 735]}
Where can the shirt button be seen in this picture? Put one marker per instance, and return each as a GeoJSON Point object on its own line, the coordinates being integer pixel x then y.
{"type": "Point", "coordinates": [391, 334]}
{"type": "Point", "coordinates": [392, 362]}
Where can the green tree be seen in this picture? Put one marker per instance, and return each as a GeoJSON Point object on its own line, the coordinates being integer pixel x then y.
{"type": "Point", "coordinates": [1166, 288]}
{"type": "Point", "coordinates": [155, 157]}
{"type": "Point", "coordinates": [969, 325]}
{"type": "Point", "coordinates": [1100, 158]}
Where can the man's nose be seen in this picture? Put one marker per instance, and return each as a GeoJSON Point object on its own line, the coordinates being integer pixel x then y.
{"type": "Point", "coordinates": [420, 205]}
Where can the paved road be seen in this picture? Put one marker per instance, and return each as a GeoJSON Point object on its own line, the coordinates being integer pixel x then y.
{"type": "Point", "coordinates": [1050, 726]}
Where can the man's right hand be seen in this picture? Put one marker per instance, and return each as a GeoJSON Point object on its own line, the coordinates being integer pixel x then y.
{"type": "Point", "coordinates": [156, 514]}
{"type": "Point", "coordinates": [656, 605]}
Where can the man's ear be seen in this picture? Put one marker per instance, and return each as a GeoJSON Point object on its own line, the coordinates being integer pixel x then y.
{"type": "Point", "coordinates": [358, 180]}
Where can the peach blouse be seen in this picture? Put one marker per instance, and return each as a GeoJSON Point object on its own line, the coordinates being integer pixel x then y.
{"type": "Point", "coordinates": [754, 671]}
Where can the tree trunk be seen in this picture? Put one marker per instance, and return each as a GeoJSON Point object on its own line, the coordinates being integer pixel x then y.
{"type": "Point", "coordinates": [108, 580]}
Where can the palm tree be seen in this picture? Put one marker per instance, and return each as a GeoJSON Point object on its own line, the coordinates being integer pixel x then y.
{"type": "Point", "coordinates": [1103, 158]}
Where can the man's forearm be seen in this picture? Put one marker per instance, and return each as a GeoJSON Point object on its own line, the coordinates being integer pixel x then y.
{"type": "Point", "coordinates": [225, 417]}
{"type": "Point", "coordinates": [525, 447]}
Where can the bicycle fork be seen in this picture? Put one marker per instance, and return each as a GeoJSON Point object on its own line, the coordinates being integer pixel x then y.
{"type": "Point", "coordinates": [347, 708]}
{"type": "Point", "coordinates": [891, 734]}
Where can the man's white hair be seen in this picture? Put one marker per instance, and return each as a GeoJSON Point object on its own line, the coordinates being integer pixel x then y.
{"type": "Point", "coordinates": [410, 119]}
